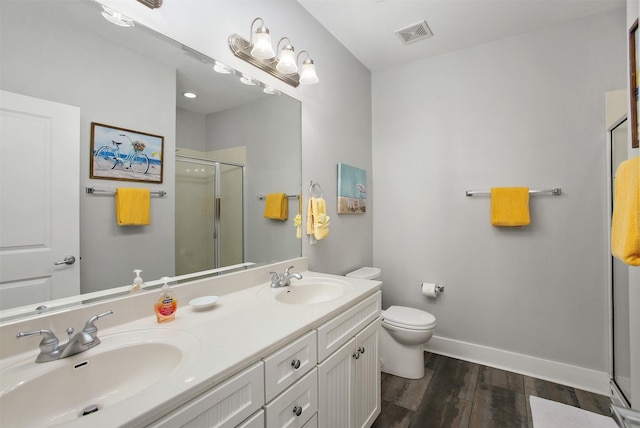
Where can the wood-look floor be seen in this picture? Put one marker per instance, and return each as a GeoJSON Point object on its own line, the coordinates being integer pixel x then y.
{"type": "Point", "coordinates": [455, 393]}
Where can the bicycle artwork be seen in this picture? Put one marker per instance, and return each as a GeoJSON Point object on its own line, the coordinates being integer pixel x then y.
{"type": "Point", "coordinates": [123, 154]}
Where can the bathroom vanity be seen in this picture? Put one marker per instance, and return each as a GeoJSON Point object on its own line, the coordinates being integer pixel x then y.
{"type": "Point", "coordinates": [299, 356]}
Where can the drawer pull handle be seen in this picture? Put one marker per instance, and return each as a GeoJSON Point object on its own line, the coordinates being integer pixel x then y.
{"type": "Point", "coordinates": [295, 364]}
{"type": "Point", "coordinates": [297, 410]}
{"type": "Point", "coordinates": [356, 355]}
{"type": "Point", "coordinates": [361, 350]}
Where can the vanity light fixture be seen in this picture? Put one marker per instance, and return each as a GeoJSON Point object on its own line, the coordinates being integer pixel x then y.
{"type": "Point", "coordinates": [248, 80]}
{"type": "Point", "coordinates": [116, 17]}
{"type": "Point", "coordinates": [308, 74]}
{"type": "Point", "coordinates": [257, 51]}
{"type": "Point", "coordinates": [222, 68]}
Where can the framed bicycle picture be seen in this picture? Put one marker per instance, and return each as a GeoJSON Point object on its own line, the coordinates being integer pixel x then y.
{"type": "Point", "coordinates": [124, 154]}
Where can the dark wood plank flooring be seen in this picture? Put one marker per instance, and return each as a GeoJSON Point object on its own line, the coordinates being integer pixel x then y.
{"type": "Point", "coordinates": [460, 394]}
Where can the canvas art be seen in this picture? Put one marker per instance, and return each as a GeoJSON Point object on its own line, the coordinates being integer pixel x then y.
{"type": "Point", "coordinates": [123, 154]}
{"type": "Point", "coordinates": [352, 191]}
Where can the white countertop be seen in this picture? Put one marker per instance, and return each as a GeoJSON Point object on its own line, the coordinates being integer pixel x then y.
{"type": "Point", "coordinates": [242, 328]}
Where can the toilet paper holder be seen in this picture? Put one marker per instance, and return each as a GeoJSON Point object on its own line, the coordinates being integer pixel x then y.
{"type": "Point", "coordinates": [440, 288]}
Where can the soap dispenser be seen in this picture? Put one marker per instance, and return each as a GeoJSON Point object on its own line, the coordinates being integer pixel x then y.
{"type": "Point", "coordinates": [138, 282]}
{"type": "Point", "coordinates": [166, 306]}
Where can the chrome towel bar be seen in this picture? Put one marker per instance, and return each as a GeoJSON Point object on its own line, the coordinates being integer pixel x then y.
{"type": "Point", "coordinates": [556, 191]}
{"type": "Point", "coordinates": [92, 190]}
{"type": "Point", "coordinates": [288, 196]}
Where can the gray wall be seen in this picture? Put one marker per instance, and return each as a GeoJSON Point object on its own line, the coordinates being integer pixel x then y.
{"type": "Point", "coordinates": [523, 111]}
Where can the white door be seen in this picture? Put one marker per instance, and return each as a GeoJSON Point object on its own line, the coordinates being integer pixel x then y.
{"type": "Point", "coordinates": [336, 388]}
{"type": "Point", "coordinates": [39, 203]}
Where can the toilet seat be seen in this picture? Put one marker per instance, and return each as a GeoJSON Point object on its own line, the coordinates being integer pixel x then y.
{"type": "Point", "coordinates": [409, 318]}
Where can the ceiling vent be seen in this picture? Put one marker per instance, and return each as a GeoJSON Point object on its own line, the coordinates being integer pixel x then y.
{"type": "Point", "coordinates": [414, 33]}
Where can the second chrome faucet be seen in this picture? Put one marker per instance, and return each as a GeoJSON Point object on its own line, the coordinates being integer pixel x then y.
{"type": "Point", "coordinates": [50, 350]}
{"type": "Point", "coordinates": [283, 279]}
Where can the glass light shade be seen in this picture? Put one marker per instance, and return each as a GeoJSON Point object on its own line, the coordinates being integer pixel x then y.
{"type": "Point", "coordinates": [262, 48]}
{"type": "Point", "coordinates": [287, 61]}
{"type": "Point", "coordinates": [308, 74]}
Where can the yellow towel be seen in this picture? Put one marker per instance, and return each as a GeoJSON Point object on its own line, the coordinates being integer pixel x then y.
{"type": "Point", "coordinates": [317, 218]}
{"type": "Point", "coordinates": [133, 206]}
{"type": "Point", "coordinates": [510, 206]}
{"type": "Point", "coordinates": [276, 206]}
{"type": "Point", "coordinates": [625, 223]}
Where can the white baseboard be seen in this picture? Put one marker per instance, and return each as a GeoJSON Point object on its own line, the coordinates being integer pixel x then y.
{"type": "Point", "coordinates": [565, 374]}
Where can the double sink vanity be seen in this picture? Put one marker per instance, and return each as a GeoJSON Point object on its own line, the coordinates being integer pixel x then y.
{"type": "Point", "coordinates": [299, 355]}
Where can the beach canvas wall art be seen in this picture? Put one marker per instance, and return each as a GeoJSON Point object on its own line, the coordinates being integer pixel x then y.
{"type": "Point", "coordinates": [124, 154]}
{"type": "Point", "coordinates": [352, 190]}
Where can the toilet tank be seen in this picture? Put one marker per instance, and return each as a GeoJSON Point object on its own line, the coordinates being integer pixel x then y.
{"type": "Point", "coordinates": [366, 273]}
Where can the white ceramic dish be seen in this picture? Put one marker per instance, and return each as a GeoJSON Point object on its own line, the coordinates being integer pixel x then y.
{"type": "Point", "coordinates": [203, 303]}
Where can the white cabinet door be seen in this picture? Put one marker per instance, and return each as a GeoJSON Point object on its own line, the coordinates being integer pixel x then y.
{"type": "Point", "coordinates": [367, 406]}
{"type": "Point", "coordinates": [336, 385]}
{"type": "Point", "coordinates": [39, 199]}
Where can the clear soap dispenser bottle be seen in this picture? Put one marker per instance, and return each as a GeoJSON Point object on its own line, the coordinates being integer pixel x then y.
{"type": "Point", "coordinates": [167, 305]}
{"type": "Point", "coordinates": [138, 282]}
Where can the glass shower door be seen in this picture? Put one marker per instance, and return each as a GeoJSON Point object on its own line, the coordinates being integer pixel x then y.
{"type": "Point", "coordinates": [209, 215]}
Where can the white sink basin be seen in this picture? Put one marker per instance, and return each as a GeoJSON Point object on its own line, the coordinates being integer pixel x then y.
{"type": "Point", "coordinates": [308, 291]}
{"type": "Point", "coordinates": [123, 365]}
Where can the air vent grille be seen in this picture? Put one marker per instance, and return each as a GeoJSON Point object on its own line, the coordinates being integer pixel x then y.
{"type": "Point", "coordinates": [414, 32]}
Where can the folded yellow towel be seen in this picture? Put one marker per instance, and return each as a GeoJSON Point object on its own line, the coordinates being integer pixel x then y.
{"type": "Point", "coordinates": [133, 206]}
{"type": "Point", "coordinates": [625, 223]}
{"type": "Point", "coordinates": [276, 206]}
{"type": "Point", "coordinates": [510, 206]}
{"type": "Point", "coordinates": [317, 218]}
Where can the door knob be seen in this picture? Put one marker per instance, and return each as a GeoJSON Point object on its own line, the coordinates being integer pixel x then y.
{"type": "Point", "coordinates": [69, 260]}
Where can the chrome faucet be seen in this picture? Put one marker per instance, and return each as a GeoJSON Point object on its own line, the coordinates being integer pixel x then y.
{"type": "Point", "coordinates": [284, 279]}
{"type": "Point", "coordinates": [50, 350]}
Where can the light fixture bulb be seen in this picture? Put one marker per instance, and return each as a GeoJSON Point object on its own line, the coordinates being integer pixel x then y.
{"type": "Point", "coordinates": [247, 80]}
{"type": "Point", "coordinates": [222, 68]}
{"type": "Point", "coordinates": [287, 61]}
{"type": "Point", "coordinates": [308, 74]}
{"type": "Point", "coordinates": [262, 48]}
{"type": "Point", "coordinates": [116, 17]}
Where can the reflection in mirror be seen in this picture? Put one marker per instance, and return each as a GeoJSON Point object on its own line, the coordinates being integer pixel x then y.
{"type": "Point", "coordinates": [222, 149]}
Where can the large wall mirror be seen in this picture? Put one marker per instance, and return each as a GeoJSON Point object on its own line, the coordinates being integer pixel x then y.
{"type": "Point", "coordinates": [222, 150]}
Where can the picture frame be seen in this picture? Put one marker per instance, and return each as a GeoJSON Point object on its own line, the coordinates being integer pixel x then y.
{"type": "Point", "coordinates": [634, 84]}
{"type": "Point", "coordinates": [352, 191]}
{"type": "Point", "coordinates": [125, 155]}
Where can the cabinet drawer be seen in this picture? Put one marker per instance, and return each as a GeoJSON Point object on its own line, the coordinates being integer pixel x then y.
{"type": "Point", "coordinates": [255, 421]}
{"type": "Point", "coordinates": [289, 364]}
{"type": "Point", "coordinates": [228, 404]}
{"type": "Point", "coordinates": [295, 406]}
{"type": "Point", "coordinates": [335, 333]}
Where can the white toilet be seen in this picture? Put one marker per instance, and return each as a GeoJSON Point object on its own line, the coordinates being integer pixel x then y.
{"type": "Point", "coordinates": [405, 330]}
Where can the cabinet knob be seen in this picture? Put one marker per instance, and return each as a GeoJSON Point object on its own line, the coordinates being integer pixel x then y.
{"type": "Point", "coordinates": [356, 355]}
{"type": "Point", "coordinates": [295, 364]}
{"type": "Point", "coordinates": [297, 410]}
{"type": "Point", "coordinates": [361, 350]}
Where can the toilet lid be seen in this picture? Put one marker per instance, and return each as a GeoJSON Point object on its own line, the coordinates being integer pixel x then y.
{"type": "Point", "coordinates": [412, 318]}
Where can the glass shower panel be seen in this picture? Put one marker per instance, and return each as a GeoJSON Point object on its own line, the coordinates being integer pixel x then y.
{"type": "Point", "coordinates": [620, 281]}
{"type": "Point", "coordinates": [230, 214]}
{"type": "Point", "coordinates": [195, 215]}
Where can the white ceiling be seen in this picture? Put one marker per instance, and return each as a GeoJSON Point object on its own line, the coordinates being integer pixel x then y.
{"type": "Point", "coordinates": [366, 27]}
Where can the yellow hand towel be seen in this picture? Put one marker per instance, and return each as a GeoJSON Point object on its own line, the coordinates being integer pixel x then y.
{"type": "Point", "coordinates": [133, 206]}
{"type": "Point", "coordinates": [276, 206]}
{"type": "Point", "coordinates": [510, 206]}
{"type": "Point", "coordinates": [317, 218]}
{"type": "Point", "coordinates": [625, 223]}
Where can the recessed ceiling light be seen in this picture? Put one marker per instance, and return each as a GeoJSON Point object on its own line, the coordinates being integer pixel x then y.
{"type": "Point", "coordinates": [271, 91]}
{"type": "Point", "coordinates": [116, 17]}
{"type": "Point", "coordinates": [190, 95]}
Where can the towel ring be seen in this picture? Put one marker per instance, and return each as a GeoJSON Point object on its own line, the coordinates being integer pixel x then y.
{"type": "Point", "coordinates": [315, 185]}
